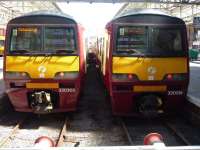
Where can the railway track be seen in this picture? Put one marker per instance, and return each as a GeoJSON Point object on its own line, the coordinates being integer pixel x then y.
{"type": "Point", "coordinates": [14, 131]}
{"type": "Point", "coordinates": [63, 131]}
{"type": "Point", "coordinates": [126, 131]}
{"type": "Point", "coordinates": [22, 122]}
{"type": "Point", "coordinates": [177, 133]}
{"type": "Point", "coordinates": [164, 124]}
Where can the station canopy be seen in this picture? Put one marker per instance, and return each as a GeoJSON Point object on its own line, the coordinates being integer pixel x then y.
{"type": "Point", "coordinates": [117, 1]}
{"type": "Point", "coordinates": [10, 9]}
{"type": "Point", "coordinates": [185, 9]}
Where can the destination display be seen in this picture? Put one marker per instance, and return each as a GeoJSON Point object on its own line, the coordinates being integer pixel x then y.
{"type": "Point", "coordinates": [131, 38]}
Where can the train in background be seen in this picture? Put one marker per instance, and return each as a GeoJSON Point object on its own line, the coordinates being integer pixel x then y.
{"type": "Point", "coordinates": [94, 47]}
{"type": "Point", "coordinates": [91, 44]}
{"type": "Point", "coordinates": [145, 63]}
{"type": "Point", "coordinates": [2, 39]}
{"type": "Point", "coordinates": [44, 63]}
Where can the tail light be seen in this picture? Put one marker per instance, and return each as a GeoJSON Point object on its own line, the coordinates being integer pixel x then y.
{"type": "Point", "coordinates": [175, 77]}
{"type": "Point", "coordinates": [16, 75]}
{"type": "Point", "coordinates": [66, 75]}
{"type": "Point", "coordinates": [124, 77]}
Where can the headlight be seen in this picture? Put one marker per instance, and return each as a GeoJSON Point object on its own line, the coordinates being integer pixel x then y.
{"type": "Point", "coordinates": [66, 75]}
{"type": "Point", "coordinates": [175, 77]}
{"type": "Point", "coordinates": [16, 75]}
{"type": "Point", "coordinates": [124, 77]}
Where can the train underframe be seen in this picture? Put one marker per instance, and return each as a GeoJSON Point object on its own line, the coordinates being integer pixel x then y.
{"type": "Point", "coordinates": [127, 102]}
{"type": "Point", "coordinates": [41, 100]}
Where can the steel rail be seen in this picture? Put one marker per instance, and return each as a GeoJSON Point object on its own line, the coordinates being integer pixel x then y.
{"type": "Point", "coordinates": [62, 132]}
{"type": "Point", "coordinates": [126, 131]}
{"type": "Point", "coordinates": [178, 134]}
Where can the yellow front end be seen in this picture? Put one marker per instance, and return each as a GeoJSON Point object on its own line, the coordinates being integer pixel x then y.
{"type": "Point", "coordinates": [55, 79]}
{"type": "Point", "coordinates": [39, 67]}
{"type": "Point", "coordinates": [139, 79]}
{"type": "Point", "coordinates": [149, 69]}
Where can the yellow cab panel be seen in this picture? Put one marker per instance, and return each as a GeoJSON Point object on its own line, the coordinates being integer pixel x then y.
{"type": "Point", "coordinates": [142, 66]}
{"type": "Point", "coordinates": [35, 65]}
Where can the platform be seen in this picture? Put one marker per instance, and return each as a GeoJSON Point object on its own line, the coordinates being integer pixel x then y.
{"type": "Point", "coordinates": [194, 86]}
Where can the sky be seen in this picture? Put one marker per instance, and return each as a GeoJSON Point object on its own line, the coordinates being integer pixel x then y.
{"type": "Point", "coordinates": [92, 16]}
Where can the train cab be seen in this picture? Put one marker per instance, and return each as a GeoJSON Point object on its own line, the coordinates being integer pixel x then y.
{"type": "Point", "coordinates": [146, 67]}
{"type": "Point", "coordinates": [44, 63]}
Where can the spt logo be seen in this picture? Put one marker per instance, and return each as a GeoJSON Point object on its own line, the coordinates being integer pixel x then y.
{"type": "Point", "coordinates": [151, 72]}
{"type": "Point", "coordinates": [42, 70]}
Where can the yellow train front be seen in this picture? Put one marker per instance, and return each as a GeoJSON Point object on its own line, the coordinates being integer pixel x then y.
{"type": "Point", "coordinates": [145, 63]}
{"type": "Point", "coordinates": [44, 62]}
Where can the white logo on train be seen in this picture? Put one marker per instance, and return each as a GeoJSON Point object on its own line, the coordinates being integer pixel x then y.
{"type": "Point", "coordinates": [42, 70]}
{"type": "Point", "coordinates": [151, 71]}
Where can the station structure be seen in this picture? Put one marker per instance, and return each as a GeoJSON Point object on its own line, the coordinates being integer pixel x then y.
{"type": "Point", "coordinates": [185, 9]}
{"type": "Point", "coordinates": [11, 9]}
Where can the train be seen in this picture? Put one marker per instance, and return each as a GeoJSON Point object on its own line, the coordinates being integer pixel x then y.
{"type": "Point", "coordinates": [144, 63]}
{"type": "Point", "coordinates": [44, 65]}
{"type": "Point", "coordinates": [2, 39]}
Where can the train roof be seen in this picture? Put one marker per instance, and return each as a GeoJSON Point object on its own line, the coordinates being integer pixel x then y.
{"type": "Point", "coordinates": [48, 13]}
{"type": "Point", "coordinates": [135, 12]}
{"type": "Point", "coordinates": [44, 13]}
{"type": "Point", "coordinates": [145, 16]}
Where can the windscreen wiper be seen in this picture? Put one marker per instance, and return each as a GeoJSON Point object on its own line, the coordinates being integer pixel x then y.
{"type": "Point", "coordinates": [20, 51]}
{"type": "Point", "coordinates": [64, 51]}
{"type": "Point", "coordinates": [132, 51]}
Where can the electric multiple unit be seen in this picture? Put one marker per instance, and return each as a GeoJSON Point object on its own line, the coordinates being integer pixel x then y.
{"type": "Point", "coordinates": [44, 62]}
{"type": "Point", "coordinates": [145, 62]}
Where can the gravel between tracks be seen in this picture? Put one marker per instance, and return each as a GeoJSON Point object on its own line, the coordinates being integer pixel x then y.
{"type": "Point", "coordinates": [93, 123]}
{"type": "Point", "coordinates": [8, 122]}
{"type": "Point", "coordinates": [190, 131]}
{"type": "Point", "coordinates": [34, 127]}
{"type": "Point", "coordinates": [138, 130]}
